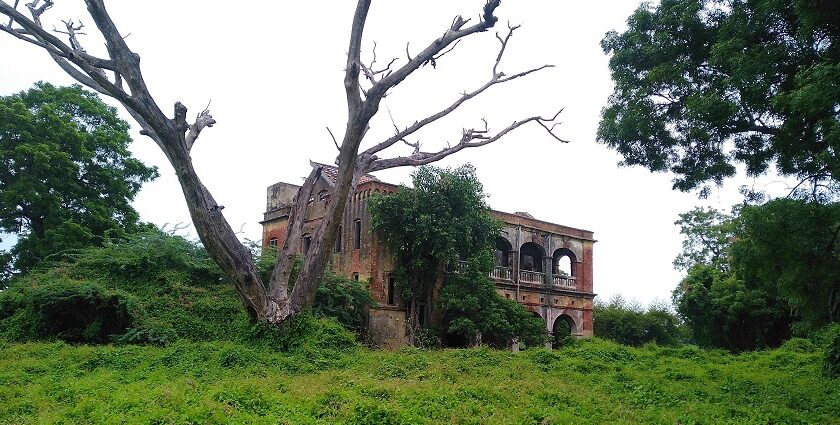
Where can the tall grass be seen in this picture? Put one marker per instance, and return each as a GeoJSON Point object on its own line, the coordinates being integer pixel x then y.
{"type": "Point", "coordinates": [592, 381]}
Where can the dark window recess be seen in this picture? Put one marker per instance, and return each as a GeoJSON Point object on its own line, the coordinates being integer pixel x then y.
{"type": "Point", "coordinates": [307, 241]}
{"type": "Point", "coordinates": [356, 277]}
{"type": "Point", "coordinates": [272, 242]}
{"type": "Point", "coordinates": [338, 240]}
{"type": "Point", "coordinates": [421, 314]}
{"type": "Point", "coordinates": [357, 234]}
{"type": "Point", "coordinates": [392, 291]}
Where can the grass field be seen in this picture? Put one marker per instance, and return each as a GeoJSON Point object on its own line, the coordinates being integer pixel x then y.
{"type": "Point", "coordinates": [593, 381]}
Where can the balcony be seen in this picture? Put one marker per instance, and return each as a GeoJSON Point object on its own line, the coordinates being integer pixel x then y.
{"type": "Point", "coordinates": [566, 282]}
{"type": "Point", "coordinates": [527, 277]}
{"type": "Point", "coordinates": [501, 273]}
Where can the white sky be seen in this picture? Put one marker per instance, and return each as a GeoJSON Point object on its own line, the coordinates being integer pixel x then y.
{"type": "Point", "coordinates": [274, 71]}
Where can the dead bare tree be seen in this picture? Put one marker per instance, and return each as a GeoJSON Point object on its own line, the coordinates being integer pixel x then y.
{"type": "Point", "coordinates": [119, 76]}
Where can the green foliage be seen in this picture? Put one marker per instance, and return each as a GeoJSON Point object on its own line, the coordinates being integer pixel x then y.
{"type": "Point", "coordinates": [793, 246]}
{"type": "Point", "coordinates": [56, 307]}
{"type": "Point", "coordinates": [442, 220]}
{"type": "Point", "coordinates": [594, 381]}
{"type": "Point", "coordinates": [472, 306]}
{"type": "Point", "coordinates": [174, 288]}
{"type": "Point", "coordinates": [723, 310]}
{"type": "Point", "coordinates": [346, 300]}
{"type": "Point", "coordinates": [703, 85]}
{"type": "Point", "coordinates": [630, 324]}
{"type": "Point", "coordinates": [706, 235]}
{"type": "Point", "coordinates": [831, 363]}
{"type": "Point", "coordinates": [67, 179]}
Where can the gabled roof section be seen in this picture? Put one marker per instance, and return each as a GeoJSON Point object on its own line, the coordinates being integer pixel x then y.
{"type": "Point", "coordinates": [330, 173]}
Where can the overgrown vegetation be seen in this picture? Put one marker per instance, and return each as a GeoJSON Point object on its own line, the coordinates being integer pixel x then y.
{"type": "Point", "coordinates": [631, 324]}
{"type": "Point", "coordinates": [68, 178]}
{"type": "Point", "coordinates": [153, 287]}
{"type": "Point", "coordinates": [761, 274]}
{"type": "Point", "coordinates": [593, 381]}
{"type": "Point", "coordinates": [442, 237]}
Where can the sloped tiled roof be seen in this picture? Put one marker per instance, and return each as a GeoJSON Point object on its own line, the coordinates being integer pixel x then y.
{"type": "Point", "coordinates": [330, 173]}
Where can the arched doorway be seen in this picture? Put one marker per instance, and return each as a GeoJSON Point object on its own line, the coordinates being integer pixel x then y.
{"type": "Point", "coordinates": [563, 329]}
{"type": "Point", "coordinates": [530, 257]}
{"type": "Point", "coordinates": [503, 250]}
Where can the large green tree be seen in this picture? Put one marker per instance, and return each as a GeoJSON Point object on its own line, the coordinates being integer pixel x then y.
{"type": "Point", "coordinates": [704, 85]}
{"type": "Point", "coordinates": [760, 274]}
{"type": "Point", "coordinates": [67, 179]}
{"type": "Point", "coordinates": [794, 246]}
{"type": "Point", "coordinates": [442, 237]}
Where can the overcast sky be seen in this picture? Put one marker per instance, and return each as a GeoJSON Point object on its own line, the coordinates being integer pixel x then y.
{"type": "Point", "coordinates": [274, 70]}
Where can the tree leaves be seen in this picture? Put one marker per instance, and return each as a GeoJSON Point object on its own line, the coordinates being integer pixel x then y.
{"type": "Point", "coordinates": [704, 85]}
{"type": "Point", "coordinates": [67, 178]}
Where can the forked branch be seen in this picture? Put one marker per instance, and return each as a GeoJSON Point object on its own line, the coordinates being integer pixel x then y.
{"type": "Point", "coordinates": [470, 138]}
{"type": "Point", "coordinates": [496, 77]}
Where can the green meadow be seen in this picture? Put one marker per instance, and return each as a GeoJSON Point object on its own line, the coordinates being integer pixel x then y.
{"type": "Point", "coordinates": [591, 381]}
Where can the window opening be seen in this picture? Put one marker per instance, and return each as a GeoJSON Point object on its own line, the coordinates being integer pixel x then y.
{"type": "Point", "coordinates": [357, 234]}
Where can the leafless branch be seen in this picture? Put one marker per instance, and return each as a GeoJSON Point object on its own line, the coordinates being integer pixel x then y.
{"type": "Point", "coordinates": [12, 20]}
{"type": "Point", "coordinates": [470, 138]}
{"type": "Point", "coordinates": [203, 119]}
{"type": "Point", "coordinates": [496, 78]}
{"type": "Point", "coordinates": [72, 31]}
{"type": "Point", "coordinates": [504, 43]}
{"type": "Point", "coordinates": [333, 138]}
{"type": "Point", "coordinates": [370, 72]}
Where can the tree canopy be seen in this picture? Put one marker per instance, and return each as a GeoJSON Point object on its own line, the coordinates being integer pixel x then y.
{"type": "Point", "coordinates": [67, 179]}
{"type": "Point", "coordinates": [704, 85]}
{"type": "Point", "coordinates": [442, 237]}
{"type": "Point", "coordinates": [760, 274]}
{"type": "Point", "coordinates": [793, 245]}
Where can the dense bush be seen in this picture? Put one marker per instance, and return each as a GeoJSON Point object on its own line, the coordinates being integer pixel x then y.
{"type": "Point", "coordinates": [630, 324]}
{"type": "Point", "coordinates": [344, 299]}
{"type": "Point", "coordinates": [155, 287]}
{"type": "Point", "coordinates": [829, 337]}
{"type": "Point", "coordinates": [65, 309]}
{"type": "Point", "coordinates": [470, 306]}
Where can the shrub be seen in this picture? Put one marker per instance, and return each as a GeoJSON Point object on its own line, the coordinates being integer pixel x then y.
{"type": "Point", "coordinates": [831, 362]}
{"type": "Point", "coordinates": [346, 300]}
{"type": "Point", "coordinates": [631, 324]}
{"type": "Point", "coordinates": [65, 309]}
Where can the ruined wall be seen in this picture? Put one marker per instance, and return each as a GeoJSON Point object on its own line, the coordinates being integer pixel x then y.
{"type": "Point", "coordinates": [387, 327]}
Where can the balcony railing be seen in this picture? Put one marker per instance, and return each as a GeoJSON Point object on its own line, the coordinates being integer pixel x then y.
{"type": "Point", "coordinates": [501, 273]}
{"type": "Point", "coordinates": [564, 281]}
{"type": "Point", "coordinates": [526, 276]}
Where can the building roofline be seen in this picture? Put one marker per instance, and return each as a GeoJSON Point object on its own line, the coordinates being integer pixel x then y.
{"type": "Point", "coordinates": [509, 218]}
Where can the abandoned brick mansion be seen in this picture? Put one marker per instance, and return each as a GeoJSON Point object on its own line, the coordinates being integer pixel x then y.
{"type": "Point", "coordinates": [546, 267]}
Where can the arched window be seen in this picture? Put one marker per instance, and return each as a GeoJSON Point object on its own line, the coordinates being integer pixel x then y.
{"type": "Point", "coordinates": [357, 234]}
{"type": "Point", "coordinates": [563, 263]}
{"type": "Point", "coordinates": [530, 257]}
{"type": "Point", "coordinates": [503, 250]}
